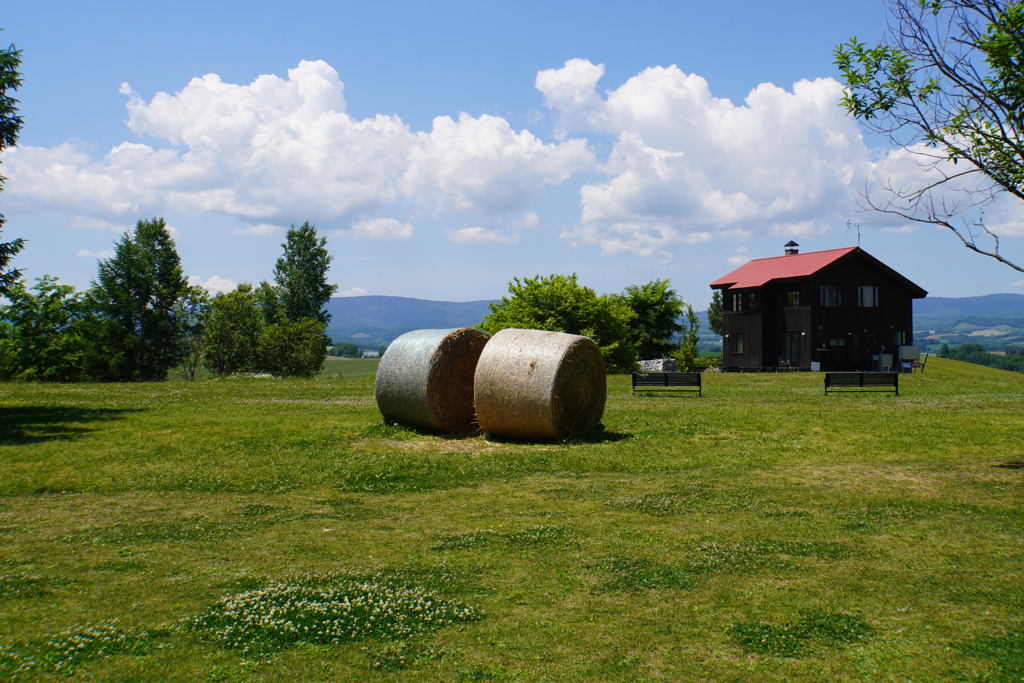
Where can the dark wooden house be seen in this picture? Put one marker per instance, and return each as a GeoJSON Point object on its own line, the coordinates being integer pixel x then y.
{"type": "Point", "coordinates": [840, 309]}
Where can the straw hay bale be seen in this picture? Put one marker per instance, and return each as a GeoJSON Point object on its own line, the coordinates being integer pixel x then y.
{"type": "Point", "coordinates": [425, 379]}
{"type": "Point", "coordinates": [539, 386]}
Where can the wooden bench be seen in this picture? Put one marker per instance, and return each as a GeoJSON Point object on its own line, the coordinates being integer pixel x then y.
{"type": "Point", "coordinates": [862, 381]}
{"type": "Point", "coordinates": [666, 381]}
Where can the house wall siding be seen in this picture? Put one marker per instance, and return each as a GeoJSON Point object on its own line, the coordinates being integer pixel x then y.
{"type": "Point", "coordinates": [846, 336]}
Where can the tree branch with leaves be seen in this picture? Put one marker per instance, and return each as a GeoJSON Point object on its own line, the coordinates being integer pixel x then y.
{"type": "Point", "coordinates": [946, 85]}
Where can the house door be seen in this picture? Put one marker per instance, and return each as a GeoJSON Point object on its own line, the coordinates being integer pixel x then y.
{"type": "Point", "coordinates": [792, 349]}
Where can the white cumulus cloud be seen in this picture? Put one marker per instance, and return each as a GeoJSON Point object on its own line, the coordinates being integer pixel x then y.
{"type": "Point", "coordinates": [382, 229]}
{"type": "Point", "coordinates": [482, 164]}
{"type": "Point", "coordinates": [741, 256]}
{"type": "Point", "coordinates": [103, 254]}
{"type": "Point", "coordinates": [687, 164]}
{"type": "Point", "coordinates": [214, 284]}
{"type": "Point", "coordinates": [259, 229]}
{"type": "Point", "coordinates": [281, 148]}
{"type": "Point", "coordinates": [481, 234]}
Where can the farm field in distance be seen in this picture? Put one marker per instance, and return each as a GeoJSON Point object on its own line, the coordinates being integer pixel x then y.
{"type": "Point", "coordinates": [266, 530]}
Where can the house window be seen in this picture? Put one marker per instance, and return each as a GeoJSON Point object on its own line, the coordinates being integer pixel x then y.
{"type": "Point", "coordinates": [737, 302]}
{"type": "Point", "coordinates": [793, 299]}
{"type": "Point", "coordinates": [752, 301]}
{"type": "Point", "coordinates": [830, 295]}
{"type": "Point", "coordinates": [899, 338]}
{"type": "Point", "coordinates": [867, 296]}
{"type": "Point", "coordinates": [837, 341]}
{"type": "Point", "coordinates": [737, 343]}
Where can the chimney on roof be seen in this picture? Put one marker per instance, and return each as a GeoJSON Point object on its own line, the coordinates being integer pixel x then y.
{"type": "Point", "coordinates": [792, 248]}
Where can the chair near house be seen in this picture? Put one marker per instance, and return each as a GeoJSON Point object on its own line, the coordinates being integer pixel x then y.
{"type": "Point", "coordinates": [919, 364]}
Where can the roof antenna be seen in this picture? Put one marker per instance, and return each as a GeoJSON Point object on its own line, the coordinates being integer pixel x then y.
{"type": "Point", "coordinates": [855, 225]}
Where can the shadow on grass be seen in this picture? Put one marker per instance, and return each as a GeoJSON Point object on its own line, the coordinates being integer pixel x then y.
{"type": "Point", "coordinates": [389, 429]}
{"type": "Point", "coordinates": [36, 424]}
{"type": "Point", "coordinates": [598, 434]}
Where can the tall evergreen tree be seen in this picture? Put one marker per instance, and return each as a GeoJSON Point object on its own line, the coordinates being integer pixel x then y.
{"type": "Point", "coordinates": [136, 295]}
{"type": "Point", "coordinates": [301, 275]}
{"type": "Point", "coordinates": [10, 126]}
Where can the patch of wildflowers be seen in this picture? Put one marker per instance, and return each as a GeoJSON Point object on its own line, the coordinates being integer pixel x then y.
{"type": "Point", "coordinates": [327, 610]}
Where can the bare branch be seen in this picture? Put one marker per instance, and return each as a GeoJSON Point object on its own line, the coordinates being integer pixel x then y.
{"type": "Point", "coordinates": [950, 75]}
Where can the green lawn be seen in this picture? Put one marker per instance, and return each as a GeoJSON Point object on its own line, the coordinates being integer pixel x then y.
{"type": "Point", "coordinates": [256, 529]}
{"type": "Point", "coordinates": [351, 368]}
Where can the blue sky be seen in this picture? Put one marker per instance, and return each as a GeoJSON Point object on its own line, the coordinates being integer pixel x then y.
{"type": "Point", "coordinates": [444, 149]}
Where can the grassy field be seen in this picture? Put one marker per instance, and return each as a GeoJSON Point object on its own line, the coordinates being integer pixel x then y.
{"type": "Point", "coordinates": [273, 530]}
{"type": "Point", "coordinates": [350, 368]}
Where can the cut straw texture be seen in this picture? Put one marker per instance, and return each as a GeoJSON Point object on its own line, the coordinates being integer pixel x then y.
{"type": "Point", "coordinates": [425, 379]}
{"type": "Point", "coordinates": [532, 385]}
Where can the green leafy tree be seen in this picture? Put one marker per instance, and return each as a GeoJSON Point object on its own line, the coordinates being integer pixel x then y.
{"type": "Point", "coordinates": [686, 354]}
{"type": "Point", "coordinates": [346, 350]}
{"type": "Point", "coordinates": [656, 308]}
{"type": "Point", "coordinates": [270, 301]}
{"type": "Point", "coordinates": [301, 275]}
{"type": "Point", "coordinates": [136, 296]}
{"type": "Point", "coordinates": [560, 304]}
{"type": "Point", "coordinates": [41, 336]}
{"type": "Point", "coordinates": [245, 332]}
{"type": "Point", "coordinates": [947, 85]}
{"type": "Point", "coordinates": [191, 312]}
{"type": "Point", "coordinates": [292, 348]}
{"type": "Point", "coordinates": [716, 321]}
{"type": "Point", "coordinates": [233, 325]}
{"type": "Point", "coordinates": [979, 355]}
{"type": "Point", "coordinates": [10, 126]}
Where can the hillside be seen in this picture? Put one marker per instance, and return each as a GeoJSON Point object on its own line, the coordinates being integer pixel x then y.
{"type": "Point", "coordinates": [995, 321]}
{"type": "Point", "coordinates": [375, 321]}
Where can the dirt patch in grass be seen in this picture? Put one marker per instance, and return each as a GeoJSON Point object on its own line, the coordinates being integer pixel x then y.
{"type": "Point", "coordinates": [447, 446]}
{"type": "Point", "coordinates": [859, 476]}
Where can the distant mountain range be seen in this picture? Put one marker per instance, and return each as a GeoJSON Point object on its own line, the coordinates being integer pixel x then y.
{"type": "Point", "coordinates": [994, 320]}
{"type": "Point", "coordinates": [945, 309]}
{"type": "Point", "coordinates": [375, 321]}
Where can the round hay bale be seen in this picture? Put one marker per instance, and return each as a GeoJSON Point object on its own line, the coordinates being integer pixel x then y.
{"type": "Point", "coordinates": [425, 379]}
{"type": "Point", "coordinates": [533, 385]}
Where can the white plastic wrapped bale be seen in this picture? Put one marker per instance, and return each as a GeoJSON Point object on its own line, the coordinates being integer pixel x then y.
{"type": "Point", "coordinates": [425, 379]}
{"type": "Point", "coordinates": [533, 385]}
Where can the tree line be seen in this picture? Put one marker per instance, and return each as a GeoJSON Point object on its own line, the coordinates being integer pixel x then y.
{"type": "Point", "coordinates": [979, 355]}
{"type": "Point", "coordinates": [140, 318]}
{"type": "Point", "coordinates": [642, 322]}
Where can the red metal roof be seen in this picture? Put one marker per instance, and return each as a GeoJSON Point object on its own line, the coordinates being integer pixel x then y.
{"type": "Point", "coordinates": [759, 272]}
